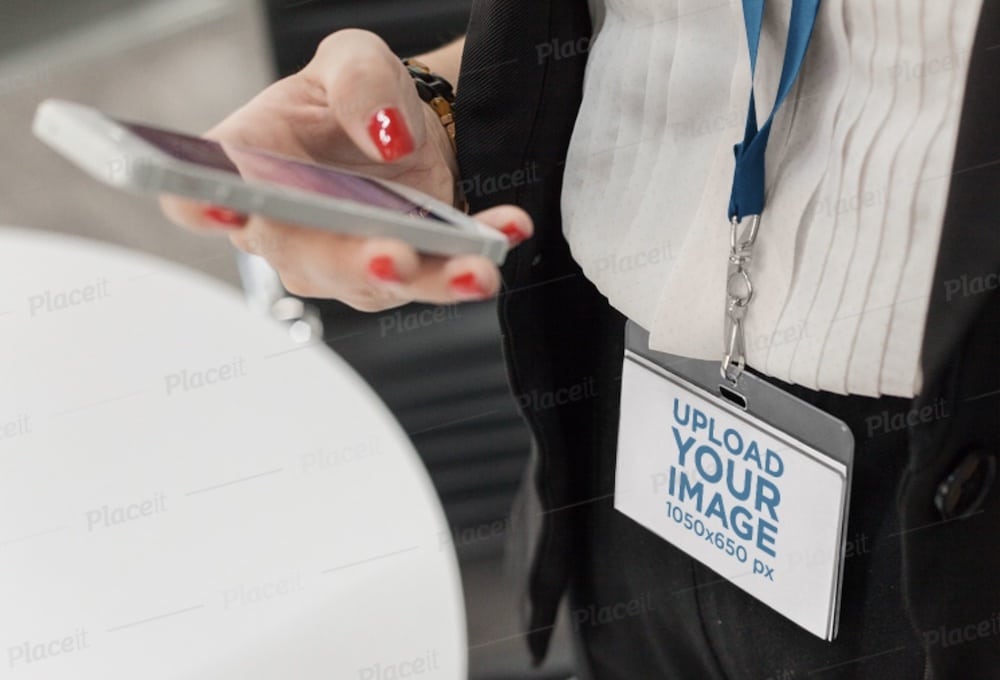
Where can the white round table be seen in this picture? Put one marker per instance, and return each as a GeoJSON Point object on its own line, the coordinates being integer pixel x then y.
{"type": "Point", "coordinates": [186, 493]}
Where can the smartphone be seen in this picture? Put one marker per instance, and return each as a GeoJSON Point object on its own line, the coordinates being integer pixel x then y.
{"type": "Point", "coordinates": [146, 159]}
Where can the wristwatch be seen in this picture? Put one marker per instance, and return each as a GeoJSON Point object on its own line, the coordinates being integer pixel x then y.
{"type": "Point", "coordinates": [437, 92]}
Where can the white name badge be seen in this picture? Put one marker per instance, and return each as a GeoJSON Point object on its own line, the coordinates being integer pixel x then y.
{"type": "Point", "coordinates": [750, 481]}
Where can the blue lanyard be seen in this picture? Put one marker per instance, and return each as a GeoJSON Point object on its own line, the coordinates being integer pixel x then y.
{"type": "Point", "coordinates": [747, 197]}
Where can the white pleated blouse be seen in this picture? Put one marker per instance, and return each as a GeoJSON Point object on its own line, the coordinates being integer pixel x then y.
{"type": "Point", "coordinates": [858, 171]}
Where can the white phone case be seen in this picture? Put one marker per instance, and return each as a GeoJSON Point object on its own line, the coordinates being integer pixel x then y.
{"type": "Point", "coordinates": [113, 154]}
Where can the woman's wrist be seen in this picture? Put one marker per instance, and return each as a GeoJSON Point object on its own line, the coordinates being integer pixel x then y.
{"type": "Point", "coordinates": [438, 136]}
{"type": "Point", "coordinates": [434, 75]}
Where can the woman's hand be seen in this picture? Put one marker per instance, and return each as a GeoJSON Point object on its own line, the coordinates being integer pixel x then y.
{"type": "Point", "coordinates": [353, 106]}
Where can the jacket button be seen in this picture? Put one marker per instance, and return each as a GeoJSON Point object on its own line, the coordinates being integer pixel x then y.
{"type": "Point", "coordinates": [965, 490]}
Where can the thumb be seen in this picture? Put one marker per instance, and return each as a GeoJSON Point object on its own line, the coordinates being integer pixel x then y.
{"type": "Point", "coordinates": [370, 94]}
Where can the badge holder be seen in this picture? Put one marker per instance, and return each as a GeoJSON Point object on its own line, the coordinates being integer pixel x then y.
{"type": "Point", "coordinates": [740, 475]}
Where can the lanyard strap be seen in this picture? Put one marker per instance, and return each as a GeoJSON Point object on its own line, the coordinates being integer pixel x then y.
{"type": "Point", "coordinates": [747, 196]}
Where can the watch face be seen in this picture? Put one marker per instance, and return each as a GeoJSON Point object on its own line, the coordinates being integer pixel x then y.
{"type": "Point", "coordinates": [430, 85]}
{"type": "Point", "coordinates": [423, 89]}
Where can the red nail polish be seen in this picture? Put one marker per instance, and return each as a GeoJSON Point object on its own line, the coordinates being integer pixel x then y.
{"type": "Point", "coordinates": [466, 284]}
{"type": "Point", "coordinates": [513, 233]}
{"type": "Point", "coordinates": [384, 269]}
{"type": "Point", "coordinates": [389, 132]}
{"type": "Point", "coordinates": [225, 217]}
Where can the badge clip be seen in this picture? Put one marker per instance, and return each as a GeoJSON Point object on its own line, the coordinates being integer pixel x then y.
{"type": "Point", "coordinates": [739, 294]}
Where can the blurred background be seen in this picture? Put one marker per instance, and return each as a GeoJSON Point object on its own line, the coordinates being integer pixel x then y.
{"type": "Point", "coordinates": [184, 64]}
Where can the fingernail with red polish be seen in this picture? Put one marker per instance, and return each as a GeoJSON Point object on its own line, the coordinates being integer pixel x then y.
{"type": "Point", "coordinates": [384, 269]}
{"type": "Point", "coordinates": [224, 217]}
{"type": "Point", "coordinates": [389, 132]}
{"type": "Point", "coordinates": [513, 233]}
{"type": "Point", "coordinates": [466, 285]}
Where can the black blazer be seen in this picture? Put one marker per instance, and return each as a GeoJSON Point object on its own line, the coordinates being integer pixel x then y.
{"type": "Point", "coordinates": [519, 93]}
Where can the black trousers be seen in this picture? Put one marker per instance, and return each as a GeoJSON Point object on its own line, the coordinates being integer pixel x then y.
{"type": "Point", "coordinates": [641, 609]}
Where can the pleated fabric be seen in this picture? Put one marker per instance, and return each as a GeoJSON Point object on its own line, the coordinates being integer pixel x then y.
{"type": "Point", "coordinates": [858, 171]}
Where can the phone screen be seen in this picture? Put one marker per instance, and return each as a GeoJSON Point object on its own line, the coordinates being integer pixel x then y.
{"type": "Point", "coordinates": [262, 166]}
